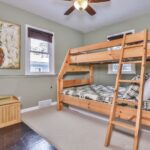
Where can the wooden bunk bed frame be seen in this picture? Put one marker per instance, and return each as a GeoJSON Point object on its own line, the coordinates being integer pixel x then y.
{"type": "Point", "coordinates": [82, 59]}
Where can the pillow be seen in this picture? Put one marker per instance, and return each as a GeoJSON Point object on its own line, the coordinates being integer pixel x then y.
{"type": "Point", "coordinates": [132, 92]}
{"type": "Point", "coordinates": [147, 90]}
{"type": "Point", "coordinates": [133, 89]}
{"type": "Point", "coordinates": [146, 105]}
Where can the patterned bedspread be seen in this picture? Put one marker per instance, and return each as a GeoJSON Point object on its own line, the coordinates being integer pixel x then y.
{"type": "Point", "coordinates": [99, 93]}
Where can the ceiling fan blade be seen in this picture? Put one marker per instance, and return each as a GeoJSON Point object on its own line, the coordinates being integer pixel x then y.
{"type": "Point", "coordinates": [98, 1]}
{"type": "Point", "coordinates": [70, 10]}
{"type": "Point", "coordinates": [90, 10]}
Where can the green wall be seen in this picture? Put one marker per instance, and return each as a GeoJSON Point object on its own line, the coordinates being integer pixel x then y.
{"type": "Point", "coordinates": [35, 88]}
{"type": "Point", "coordinates": [140, 23]}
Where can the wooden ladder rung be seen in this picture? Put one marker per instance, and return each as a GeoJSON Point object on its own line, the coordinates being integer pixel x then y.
{"type": "Point", "coordinates": [127, 101]}
{"type": "Point", "coordinates": [132, 46]}
{"type": "Point", "coordinates": [123, 125]}
{"type": "Point", "coordinates": [132, 62]}
{"type": "Point", "coordinates": [130, 81]}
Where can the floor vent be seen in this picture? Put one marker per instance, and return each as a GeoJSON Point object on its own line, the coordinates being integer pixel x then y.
{"type": "Point", "coordinates": [45, 103]}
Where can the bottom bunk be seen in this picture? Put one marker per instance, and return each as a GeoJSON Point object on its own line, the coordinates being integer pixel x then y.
{"type": "Point", "coordinates": [123, 112]}
{"type": "Point", "coordinates": [98, 98]}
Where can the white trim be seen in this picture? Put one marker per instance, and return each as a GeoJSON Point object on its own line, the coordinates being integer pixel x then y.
{"type": "Point", "coordinates": [35, 108]}
{"type": "Point", "coordinates": [29, 109]}
{"type": "Point", "coordinates": [90, 114]}
{"type": "Point", "coordinates": [27, 41]}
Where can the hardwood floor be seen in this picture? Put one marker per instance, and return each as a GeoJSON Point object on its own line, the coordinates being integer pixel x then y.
{"type": "Point", "coordinates": [21, 137]}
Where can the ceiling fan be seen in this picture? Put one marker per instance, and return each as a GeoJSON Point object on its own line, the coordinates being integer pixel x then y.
{"type": "Point", "coordinates": [83, 5]}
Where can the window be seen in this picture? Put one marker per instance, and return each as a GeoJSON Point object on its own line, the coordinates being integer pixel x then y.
{"type": "Point", "coordinates": [127, 68]}
{"type": "Point", "coordinates": [39, 52]}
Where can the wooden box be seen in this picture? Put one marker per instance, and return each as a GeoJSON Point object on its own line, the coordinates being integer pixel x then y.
{"type": "Point", "coordinates": [9, 111]}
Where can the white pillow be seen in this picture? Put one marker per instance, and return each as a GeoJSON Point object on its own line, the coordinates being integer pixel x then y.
{"type": "Point", "coordinates": [147, 90]}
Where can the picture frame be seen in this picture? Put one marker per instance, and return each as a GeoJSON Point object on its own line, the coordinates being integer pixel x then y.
{"type": "Point", "coordinates": [10, 39]}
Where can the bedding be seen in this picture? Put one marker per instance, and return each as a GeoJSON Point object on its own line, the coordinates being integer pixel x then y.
{"type": "Point", "coordinates": [133, 89]}
{"type": "Point", "coordinates": [100, 93]}
{"type": "Point", "coordinates": [94, 92]}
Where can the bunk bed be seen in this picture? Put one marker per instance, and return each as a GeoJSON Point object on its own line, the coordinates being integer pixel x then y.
{"type": "Point", "coordinates": [82, 59]}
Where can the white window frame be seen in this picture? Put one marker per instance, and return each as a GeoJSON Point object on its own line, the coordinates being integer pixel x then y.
{"type": "Point", "coordinates": [27, 53]}
{"type": "Point", "coordinates": [110, 66]}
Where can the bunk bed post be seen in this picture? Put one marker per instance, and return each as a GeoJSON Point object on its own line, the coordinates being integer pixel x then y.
{"type": "Point", "coordinates": [141, 91]}
{"type": "Point", "coordinates": [91, 74]}
{"type": "Point", "coordinates": [60, 81]}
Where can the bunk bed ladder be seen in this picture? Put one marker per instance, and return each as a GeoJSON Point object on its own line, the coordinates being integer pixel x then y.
{"type": "Point", "coordinates": [112, 120]}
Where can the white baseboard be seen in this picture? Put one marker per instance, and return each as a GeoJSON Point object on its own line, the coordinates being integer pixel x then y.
{"type": "Point", "coordinates": [29, 109]}
{"type": "Point", "coordinates": [35, 108]}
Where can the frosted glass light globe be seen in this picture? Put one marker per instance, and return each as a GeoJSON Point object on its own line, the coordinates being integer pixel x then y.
{"type": "Point", "coordinates": [81, 4]}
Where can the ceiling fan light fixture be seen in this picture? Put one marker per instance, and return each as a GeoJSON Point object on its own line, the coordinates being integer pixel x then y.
{"type": "Point", "coordinates": [81, 4]}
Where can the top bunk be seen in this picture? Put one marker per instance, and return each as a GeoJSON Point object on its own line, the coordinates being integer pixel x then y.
{"type": "Point", "coordinates": [104, 52]}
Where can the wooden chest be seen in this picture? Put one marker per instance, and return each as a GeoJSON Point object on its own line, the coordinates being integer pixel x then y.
{"type": "Point", "coordinates": [9, 111]}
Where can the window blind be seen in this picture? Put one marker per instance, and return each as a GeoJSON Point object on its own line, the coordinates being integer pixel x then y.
{"type": "Point", "coordinates": [40, 35]}
{"type": "Point", "coordinates": [118, 36]}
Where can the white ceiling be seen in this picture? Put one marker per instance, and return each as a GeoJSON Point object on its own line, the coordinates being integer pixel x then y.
{"type": "Point", "coordinates": [107, 13]}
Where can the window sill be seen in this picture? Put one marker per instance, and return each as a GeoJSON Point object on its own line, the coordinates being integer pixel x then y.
{"type": "Point", "coordinates": [27, 76]}
{"type": "Point", "coordinates": [41, 75]}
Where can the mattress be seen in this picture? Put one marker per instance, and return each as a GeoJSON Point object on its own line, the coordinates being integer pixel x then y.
{"type": "Point", "coordinates": [99, 93]}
